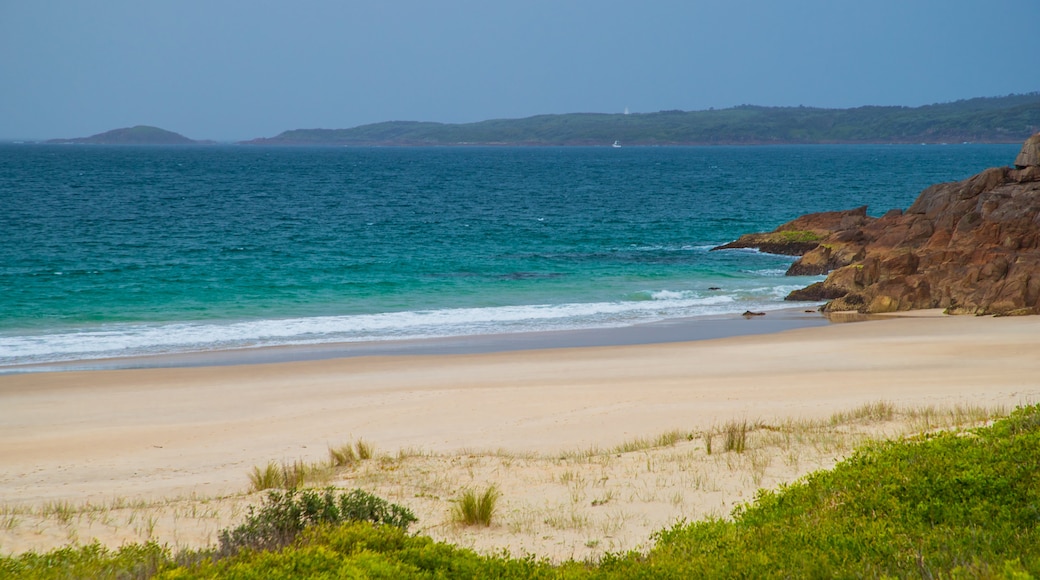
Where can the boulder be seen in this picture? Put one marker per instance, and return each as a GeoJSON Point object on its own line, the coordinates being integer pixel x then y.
{"type": "Point", "coordinates": [1030, 154]}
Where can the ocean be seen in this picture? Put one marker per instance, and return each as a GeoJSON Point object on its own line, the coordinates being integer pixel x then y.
{"type": "Point", "coordinates": [131, 251]}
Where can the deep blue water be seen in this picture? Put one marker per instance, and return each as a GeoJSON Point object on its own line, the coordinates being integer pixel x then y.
{"type": "Point", "coordinates": [111, 251]}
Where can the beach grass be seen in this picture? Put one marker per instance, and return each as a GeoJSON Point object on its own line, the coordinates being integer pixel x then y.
{"type": "Point", "coordinates": [476, 508]}
{"type": "Point", "coordinates": [736, 436]}
{"type": "Point", "coordinates": [586, 504]}
{"type": "Point", "coordinates": [342, 456]}
{"type": "Point", "coordinates": [266, 477]}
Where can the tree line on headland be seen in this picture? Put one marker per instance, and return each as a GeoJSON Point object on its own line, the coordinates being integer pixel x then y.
{"type": "Point", "coordinates": [1009, 119]}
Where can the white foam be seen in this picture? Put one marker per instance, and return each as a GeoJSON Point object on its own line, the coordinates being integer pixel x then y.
{"type": "Point", "coordinates": [769, 272]}
{"type": "Point", "coordinates": [116, 340]}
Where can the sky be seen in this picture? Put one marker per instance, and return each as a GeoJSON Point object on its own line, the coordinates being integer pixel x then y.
{"type": "Point", "coordinates": [233, 70]}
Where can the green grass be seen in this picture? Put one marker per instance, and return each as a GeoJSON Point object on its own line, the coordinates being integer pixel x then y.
{"type": "Point", "coordinates": [798, 236]}
{"type": "Point", "coordinates": [957, 504]}
{"type": "Point", "coordinates": [939, 505]}
{"type": "Point", "coordinates": [473, 509]}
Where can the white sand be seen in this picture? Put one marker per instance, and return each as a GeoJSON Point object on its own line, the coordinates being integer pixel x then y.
{"type": "Point", "coordinates": [150, 434]}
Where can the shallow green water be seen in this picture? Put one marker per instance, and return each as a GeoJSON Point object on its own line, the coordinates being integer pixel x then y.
{"type": "Point", "coordinates": [121, 251]}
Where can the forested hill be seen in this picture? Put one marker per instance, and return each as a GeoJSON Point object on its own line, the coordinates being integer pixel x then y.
{"type": "Point", "coordinates": [1009, 119]}
{"type": "Point", "coordinates": [138, 135]}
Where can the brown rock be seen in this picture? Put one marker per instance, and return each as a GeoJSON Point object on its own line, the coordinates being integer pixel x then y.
{"type": "Point", "coordinates": [971, 247]}
{"type": "Point", "coordinates": [1030, 154]}
{"type": "Point", "coordinates": [803, 234]}
{"type": "Point", "coordinates": [817, 292]}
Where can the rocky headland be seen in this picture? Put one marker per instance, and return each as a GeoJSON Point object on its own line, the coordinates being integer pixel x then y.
{"type": "Point", "coordinates": [969, 247]}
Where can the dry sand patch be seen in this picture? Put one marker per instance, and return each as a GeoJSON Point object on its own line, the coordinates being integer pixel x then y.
{"type": "Point", "coordinates": [577, 503]}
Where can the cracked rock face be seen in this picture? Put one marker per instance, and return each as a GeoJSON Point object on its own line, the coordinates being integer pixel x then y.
{"type": "Point", "coordinates": [970, 247]}
{"type": "Point", "coordinates": [1030, 154]}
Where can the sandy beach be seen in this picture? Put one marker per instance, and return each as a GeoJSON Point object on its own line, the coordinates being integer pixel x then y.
{"type": "Point", "coordinates": [148, 436]}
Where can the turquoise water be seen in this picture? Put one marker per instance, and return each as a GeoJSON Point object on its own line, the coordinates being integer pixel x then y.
{"type": "Point", "coordinates": [112, 251]}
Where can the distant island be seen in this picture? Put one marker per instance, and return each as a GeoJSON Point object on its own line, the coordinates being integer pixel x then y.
{"type": "Point", "coordinates": [1009, 119]}
{"type": "Point", "coordinates": [138, 135]}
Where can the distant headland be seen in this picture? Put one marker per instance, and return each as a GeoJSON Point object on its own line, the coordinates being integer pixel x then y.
{"type": "Point", "coordinates": [138, 135]}
{"type": "Point", "coordinates": [1009, 119]}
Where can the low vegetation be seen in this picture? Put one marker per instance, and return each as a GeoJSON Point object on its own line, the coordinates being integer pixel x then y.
{"type": "Point", "coordinates": [798, 236]}
{"type": "Point", "coordinates": [283, 516]}
{"type": "Point", "coordinates": [736, 433]}
{"type": "Point", "coordinates": [940, 504]}
{"type": "Point", "coordinates": [476, 509]}
{"type": "Point", "coordinates": [348, 455]}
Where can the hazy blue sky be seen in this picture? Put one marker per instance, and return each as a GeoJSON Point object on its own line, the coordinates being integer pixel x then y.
{"type": "Point", "coordinates": [231, 70]}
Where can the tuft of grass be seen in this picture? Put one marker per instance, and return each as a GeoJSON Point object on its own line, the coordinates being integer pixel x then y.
{"type": "Point", "coordinates": [666, 439]}
{"type": "Point", "coordinates": [409, 452]}
{"type": "Point", "coordinates": [928, 418]}
{"type": "Point", "coordinates": [736, 436]}
{"type": "Point", "coordinates": [670, 438]}
{"type": "Point", "coordinates": [605, 499]}
{"type": "Point", "coordinates": [570, 520]}
{"type": "Point", "coordinates": [583, 454]}
{"type": "Point", "coordinates": [877, 412]}
{"type": "Point", "coordinates": [342, 456]}
{"type": "Point", "coordinates": [476, 509]}
{"type": "Point", "coordinates": [62, 510]}
{"type": "Point", "coordinates": [269, 477]}
{"type": "Point", "coordinates": [288, 475]}
{"type": "Point", "coordinates": [294, 474]}
{"type": "Point", "coordinates": [349, 454]}
{"type": "Point", "coordinates": [364, 449]}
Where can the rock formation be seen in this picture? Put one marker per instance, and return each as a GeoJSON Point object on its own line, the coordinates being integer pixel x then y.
{"type": "Point", "coordinates": [970, 247]}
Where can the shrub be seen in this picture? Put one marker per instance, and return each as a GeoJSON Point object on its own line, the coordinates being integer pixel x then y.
{"type": "Point", "coordinates": [472, 509]}
{"type": "Point", "coordinates": [284, 515]}
{"type": "Point", "coordinates": [357, 550]}
{"type": "Point", "coordinates": [91, 561]}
